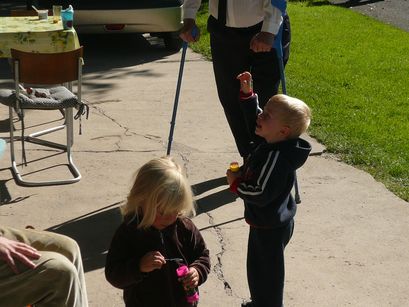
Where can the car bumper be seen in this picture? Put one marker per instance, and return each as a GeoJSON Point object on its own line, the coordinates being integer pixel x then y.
{"type": "Point", "coordinates": [133, 21]}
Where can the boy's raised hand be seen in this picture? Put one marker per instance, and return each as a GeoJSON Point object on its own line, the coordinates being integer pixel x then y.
{"type": "Point", "coordinates": [191, 279]}
{"type": "Point", "coordinates": [246, 82]}
{"type": "Point", "coordinates": [151, 261]}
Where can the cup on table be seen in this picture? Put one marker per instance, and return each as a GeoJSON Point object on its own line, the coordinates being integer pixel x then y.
{"type": "Point", "coordinates": [67, 19]}
{"type": "Point", "coordinates": [42, 14]}
{"type": "Point", "coordinates": [57, 13]}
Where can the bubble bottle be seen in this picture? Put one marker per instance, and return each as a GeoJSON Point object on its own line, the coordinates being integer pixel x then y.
{"type": "Point", "coordinates": [192, 296]}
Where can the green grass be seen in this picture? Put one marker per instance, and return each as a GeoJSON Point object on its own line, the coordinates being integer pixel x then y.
{"type": "Point", "coordinates": [353, 72]}
{"type": "Point", "coordinates": [203, 45]}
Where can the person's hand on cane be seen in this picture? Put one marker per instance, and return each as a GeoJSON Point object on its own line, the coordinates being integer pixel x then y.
{"type": "Point", "coordinates": [262, 42]}
{"type": "Point", "coordinates": [190, 33]}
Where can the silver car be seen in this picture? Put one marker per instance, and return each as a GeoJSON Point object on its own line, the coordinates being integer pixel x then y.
{"type": "Point", "coordinates": [159, 18]}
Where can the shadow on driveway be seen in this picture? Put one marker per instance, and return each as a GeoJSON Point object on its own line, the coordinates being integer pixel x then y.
{"type": "Point", "coordinates": [94, 231]}
{"type": "Point", "coordinates": [104, 53]}
{"type": "Point", "coordinates": [213, 200]}
{"type": "Point", "coordinates": [354, 3]}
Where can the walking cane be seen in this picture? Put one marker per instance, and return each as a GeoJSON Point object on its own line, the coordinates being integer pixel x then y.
{"type": "Point", "coordinates": [282, 6]}
{"type": "Point", "coordinates": [179, 84]}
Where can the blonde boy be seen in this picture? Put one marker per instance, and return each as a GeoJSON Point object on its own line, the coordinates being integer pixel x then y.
{"type": "Point", "coordinates": [264, 183]}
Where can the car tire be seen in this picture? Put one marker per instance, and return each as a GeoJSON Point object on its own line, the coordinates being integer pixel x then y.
{"type": "Point", "coordinates": [172, 41]}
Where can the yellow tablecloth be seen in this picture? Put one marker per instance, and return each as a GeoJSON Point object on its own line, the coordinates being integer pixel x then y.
{"type": "Point", "coordinates": [34, 35]}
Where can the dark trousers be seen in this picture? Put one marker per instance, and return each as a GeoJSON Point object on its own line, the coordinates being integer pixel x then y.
{"type": "Point", "coordinates": [232, 55]}
{"type": "Point", "coordinates": [265, 264]}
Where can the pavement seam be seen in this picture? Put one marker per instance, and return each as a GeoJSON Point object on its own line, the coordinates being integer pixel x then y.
{"type": "Point", "coordinates": [218, 267]}
{"type": "Point", "coordinates": [128, 131]}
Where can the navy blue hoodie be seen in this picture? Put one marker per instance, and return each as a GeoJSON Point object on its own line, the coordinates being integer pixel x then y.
{"type": "Point", "coordinates": [268, 177]}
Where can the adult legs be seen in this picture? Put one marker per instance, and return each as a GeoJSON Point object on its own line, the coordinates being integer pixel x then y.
{"type": "Point", "coordinates": [265, 66]}
{"type": "Point", "coordinates": [265, 265]}
{"type": "Point", "coordinates": [230, 57]}
{"type": "Point", "coordinates": [266, 71]}
{"type": "Point", "coordinates": [57, 280]}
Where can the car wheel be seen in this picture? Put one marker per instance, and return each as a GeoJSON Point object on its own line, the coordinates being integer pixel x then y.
{"type": "Point", "coordinates": [172, 41]}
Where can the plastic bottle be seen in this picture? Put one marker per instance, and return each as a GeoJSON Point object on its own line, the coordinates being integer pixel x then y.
{"type": "Point", "coordinates": [192, 295]}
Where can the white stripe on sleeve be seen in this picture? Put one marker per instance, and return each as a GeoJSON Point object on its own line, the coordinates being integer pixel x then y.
{"type": "Point", "coordinates": [262, 179]}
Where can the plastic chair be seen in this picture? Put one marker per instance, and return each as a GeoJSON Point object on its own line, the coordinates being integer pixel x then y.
{"type": "Point", "coordinates": [45, 69]}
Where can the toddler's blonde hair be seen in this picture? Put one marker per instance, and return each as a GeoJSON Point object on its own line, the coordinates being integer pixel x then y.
{"type": "Point", "coordinates": [159, 185]}
{"type": "Point", "coordinates": [293, 113]}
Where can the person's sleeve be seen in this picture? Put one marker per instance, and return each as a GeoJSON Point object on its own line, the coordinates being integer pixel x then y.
{"type": "Point", "coordinates": [122, 268]}
{"type": "Point", "coordinates": [269, 181]}
{"type": "Point", "coordinates": [272, 17]}
{"type": "Point", "coordinates": [190, 8]}
{"type": "Point", "coordinates": [201, 258]}
{"type": "Point", "coordinates": [250, 108]}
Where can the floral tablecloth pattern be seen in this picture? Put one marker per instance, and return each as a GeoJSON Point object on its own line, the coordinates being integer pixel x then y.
{"type": "Point", "coordinates": [34, 35]}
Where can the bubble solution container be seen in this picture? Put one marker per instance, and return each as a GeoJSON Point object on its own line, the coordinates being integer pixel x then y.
{"type": "Point", "coordinates": [234, 167]}
{"type": "Point", "coordinates": [191, 294]}
{"type": "Point", "coordinates": [67, 18]}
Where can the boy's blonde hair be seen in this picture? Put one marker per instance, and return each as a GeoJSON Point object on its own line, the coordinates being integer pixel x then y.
{"type": "Point", "coordinates": [159, 185]}
{"type": "Point", "coordinates": [293, 113]}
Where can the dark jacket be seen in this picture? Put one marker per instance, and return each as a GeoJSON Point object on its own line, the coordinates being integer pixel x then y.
{"type": "Point", "coordinates": [268, 177]}
{"type": "Point", "coordinates": [159, 288]}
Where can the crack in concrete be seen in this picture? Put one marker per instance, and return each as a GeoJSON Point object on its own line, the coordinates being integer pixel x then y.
{"type": "Point", "coordinates": [218, 267]}
{"type": "Point", "coordinates": [103, 101]}
{"type": "Point", "coordinates": [127, 131]}
{"type": "Point", "coordinates": [185, 159]}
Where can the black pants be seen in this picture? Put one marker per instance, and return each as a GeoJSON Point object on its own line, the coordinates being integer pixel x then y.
{"type": "Point", "coordinates": [232, 55]}
{"type": "Point", "coordinates": [265, 264]}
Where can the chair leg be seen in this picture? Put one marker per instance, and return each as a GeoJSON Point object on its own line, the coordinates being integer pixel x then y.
{"type": "Point", "coordinates": [70, 142]}
{"type": "Point", "coordinates": [11, 134]}
{"type": "Point", "coordinates": [32, 138]}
